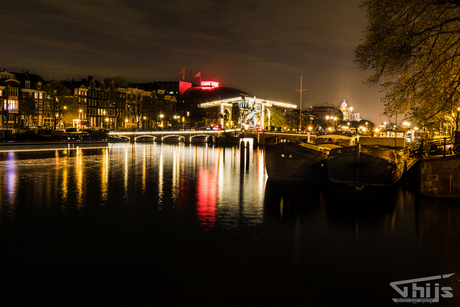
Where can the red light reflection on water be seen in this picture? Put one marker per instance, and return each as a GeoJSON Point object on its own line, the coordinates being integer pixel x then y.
{"type": "Point", "coordinates": [207, 198]}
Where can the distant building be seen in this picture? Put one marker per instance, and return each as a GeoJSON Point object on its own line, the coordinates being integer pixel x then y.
{"type": "Point", "coordinates": [152, 105]}
{"type": "Point", "coordinates": [208, 91]}
{"type": "Point", "coordinates": [96, 109]}
{"type": "Point", "coordinates": [348, 114]}
{"type": "Point", "coordinates": [354, 116]}
{"type": "Point", "coordinates": [344, 109]}
{"type": "Point", "coordinates": [21, 100]}
{"type": "Point", "coordinates": [323, 112]}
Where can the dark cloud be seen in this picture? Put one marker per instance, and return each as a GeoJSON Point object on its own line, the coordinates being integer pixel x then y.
{"type": "Point", "coordinates": [261, 47]}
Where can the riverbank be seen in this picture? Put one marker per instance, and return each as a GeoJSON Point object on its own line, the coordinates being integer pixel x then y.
{"type": "Point", "coordinates": [43, 145]}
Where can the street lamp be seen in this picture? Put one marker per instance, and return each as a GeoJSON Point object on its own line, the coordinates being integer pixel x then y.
{"type": "Point", "coordinates": [161, 120]}
{"type": "Point", "coordinates": [333, 119]}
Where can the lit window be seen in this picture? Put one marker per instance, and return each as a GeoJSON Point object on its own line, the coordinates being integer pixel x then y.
{"type": "Point", "coordinates": [12, 104]}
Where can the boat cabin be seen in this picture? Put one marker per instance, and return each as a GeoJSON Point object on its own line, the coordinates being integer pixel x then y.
{"type": "Point", "coordinates": [336, 139]}
{"type": "Point", "coordinates": [396, 142]}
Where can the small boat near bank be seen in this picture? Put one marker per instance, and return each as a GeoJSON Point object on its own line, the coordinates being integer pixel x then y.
{"type": "Point", "coordinates": [375, 161]}
{"type": "Point", "coordinates": [302, 162]}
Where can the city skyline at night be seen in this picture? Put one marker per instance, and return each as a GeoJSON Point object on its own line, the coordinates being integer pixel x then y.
{"type": "Point", "coordinates": [259, 47]}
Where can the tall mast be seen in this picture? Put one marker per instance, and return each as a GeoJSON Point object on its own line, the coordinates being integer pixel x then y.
{"type": "Point", "coordinates": [300, 104]}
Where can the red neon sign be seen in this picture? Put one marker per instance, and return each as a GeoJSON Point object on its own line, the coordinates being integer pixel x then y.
{"type": "Point", "coordinates": [207, 85]}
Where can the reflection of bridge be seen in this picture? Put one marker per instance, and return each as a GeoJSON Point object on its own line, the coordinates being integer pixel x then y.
{"type": "Point", "coordinates": [263, 138]}
{"type": "Point", "coordinates": [183, 136]}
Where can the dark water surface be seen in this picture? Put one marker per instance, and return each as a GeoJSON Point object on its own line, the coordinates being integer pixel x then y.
{"type": "Point", "coordinates": [167, 224]}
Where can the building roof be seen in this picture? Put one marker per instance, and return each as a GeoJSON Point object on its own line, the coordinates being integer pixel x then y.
{"type": "Point", "coordinates": [86, 83]}
{"type": "Point", "coordinates": [197, 93]}
{"type": "Point", "coordinates": [22, 77]}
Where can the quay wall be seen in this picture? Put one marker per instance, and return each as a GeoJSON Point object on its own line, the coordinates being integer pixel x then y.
{"type": "Point", "coordinates": [44, 146]}
{"type": "Point", "coordinates": [440, 177]}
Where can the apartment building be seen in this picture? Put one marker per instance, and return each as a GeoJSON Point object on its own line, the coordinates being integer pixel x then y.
{"type": "Point", "coordinates": [21, 100]}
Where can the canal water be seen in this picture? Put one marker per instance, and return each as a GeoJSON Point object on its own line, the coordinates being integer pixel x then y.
{"type": "Point", "coordinates": [168, 224]}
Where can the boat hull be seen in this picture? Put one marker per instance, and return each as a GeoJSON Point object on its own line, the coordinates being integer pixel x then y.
{"type": "Point", "coordinates": [366, 165]}
{"type": "Point", "coordinates": [294, 163]}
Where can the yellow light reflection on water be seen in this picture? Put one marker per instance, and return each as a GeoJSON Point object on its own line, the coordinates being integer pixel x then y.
{"type": "Point", "coordinates": [79, 173]}
{"type": "Point", "coordinates": [126, 171]}
{"type": "Point", "coordinates": [104, 174]}
{"type": "Point", "coordinates": [144, 168]}
{"type": "Point", "coordinates": [160, 178]}
{"type": "Point", "coordinates": [176, 171]}
{"type": "Point", "coordinates": [262, 175]}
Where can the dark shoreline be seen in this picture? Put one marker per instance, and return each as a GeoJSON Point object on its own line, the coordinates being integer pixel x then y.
{"type": "Point", "coordinates": [49, 145]}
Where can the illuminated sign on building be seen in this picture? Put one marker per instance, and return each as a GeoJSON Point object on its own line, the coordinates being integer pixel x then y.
{"type": "Point", "coordinates": [208, 85]}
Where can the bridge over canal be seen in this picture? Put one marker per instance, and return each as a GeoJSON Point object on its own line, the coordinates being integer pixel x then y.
{"type": "Point", "coordinates": [262, 138]}
{"type": "Point", "coordinates": [160, 136]}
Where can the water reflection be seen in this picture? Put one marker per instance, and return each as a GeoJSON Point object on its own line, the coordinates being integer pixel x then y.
{"type": "Point", "coordinates": [130, 175]}
{"type": "Point", "coordinates": [79, 177]}
{"type": "Point", "coordinates": [104, 174]}
{"type": "Point", "coordinates": [209, 180]}
{"type": "Point", "coordinates": [162, 208]}
{"type": "Point", "coordinates": [10, 178]}
{"type": "Point", "coordinates": [207, 197]}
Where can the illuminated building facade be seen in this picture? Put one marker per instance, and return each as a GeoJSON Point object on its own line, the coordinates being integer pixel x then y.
{"type": "Point", "coordinates": [348, 114]}
{"type": "Point", "coordinates": [21, 100]}
{"type": "Point", "coordinates": [95, 107]}
{"type": "Point", "coordinates": [228, 107]}
{"type": "Point", "coordinates": [344, 109]}
{"type": "Point", "coordinates": [153, 105]}
{"type": "Point", "coordinates": [206, 92]}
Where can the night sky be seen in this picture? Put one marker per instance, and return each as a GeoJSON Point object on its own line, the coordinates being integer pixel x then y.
{"type": "Point", "coordinates": [260, 47]}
